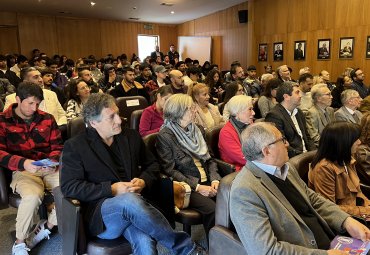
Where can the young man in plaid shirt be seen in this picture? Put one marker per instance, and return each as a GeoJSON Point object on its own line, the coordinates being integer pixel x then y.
{"type": "Point", "coordinates": [28, 134]}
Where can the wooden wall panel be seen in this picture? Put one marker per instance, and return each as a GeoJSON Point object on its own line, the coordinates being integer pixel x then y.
{"type": "Point", "coordinates": [8, 19]}
{"type": "Point", "coordinates": [37, 32]}
{"type": "Point", "coordinates": [233, 42]}
{"type": "Point", "coordinates": [310, 20]}
{"type": "Point", "coordinates": [9, 40]}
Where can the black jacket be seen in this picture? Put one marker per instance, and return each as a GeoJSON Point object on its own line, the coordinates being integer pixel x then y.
{"type": "Point", "coordinates": [87, 171]}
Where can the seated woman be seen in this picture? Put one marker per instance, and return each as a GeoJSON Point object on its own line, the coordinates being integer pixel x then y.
{"type": "Point", "coordinates": [232, 89]}
{"type": "Point", "coordinates": [206, 115]}
{"type": "Point", "coordinates": [268, 99]}
{"type": "Point", "coordinates": [152, 117]}
{"type": "Point", "coordinates": [229, 144]}
{"type": "Point", "coordinates": [363, 151]}
{"type": "Point", "coordinates": [343, 83]}
{"type": "Point", "coordinates": [333, 173]}
{"type": "Point", "coordinates": [184, 156]}
{"type": "Point", "coordinates": [214, 82]}
{"type": "Point", "coordinates": [78, 93]}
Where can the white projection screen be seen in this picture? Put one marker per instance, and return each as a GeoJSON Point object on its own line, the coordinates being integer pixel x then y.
{"type": "Point", "coordinates": [195, 47]}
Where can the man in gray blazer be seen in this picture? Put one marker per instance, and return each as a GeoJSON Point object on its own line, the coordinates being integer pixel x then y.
{"type": "Point", "coordinates": [351, 100]}
{"type": "Point", "coordinates": [273, 210]}
{"type": "Point", "coordinates": [320, 114]}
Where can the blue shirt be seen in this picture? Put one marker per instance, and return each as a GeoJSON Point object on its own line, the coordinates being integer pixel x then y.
{"type": "Point", "coordinates": [280, 173]}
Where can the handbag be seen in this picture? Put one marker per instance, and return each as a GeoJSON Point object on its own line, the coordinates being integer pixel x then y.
{"type": "Point", "coordinates": [181, 191]}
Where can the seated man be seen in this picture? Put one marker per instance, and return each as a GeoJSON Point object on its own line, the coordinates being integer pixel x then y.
{"type": "Point", "coordinates": [351, 101]}
{"type": "Point", "coordinates": [28, 134]}
{"type": "Point", "coordinates": [290, 120]}
{"type": "Point", "coordinates": [101, 169]}
{"type": "Point", "coordinates": [272, 209]}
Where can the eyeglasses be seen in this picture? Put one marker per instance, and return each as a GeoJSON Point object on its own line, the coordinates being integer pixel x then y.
{"type": "Point", "coordinates": [282, 139]}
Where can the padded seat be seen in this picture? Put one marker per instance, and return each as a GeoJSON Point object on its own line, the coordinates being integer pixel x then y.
{"type": "Point", "coordinates": [188, 217]}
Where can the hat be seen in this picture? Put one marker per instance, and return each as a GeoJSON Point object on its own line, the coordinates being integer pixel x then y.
{"type": "Point", "coordinates": [251, 68]}
{"type": "Point", "coordinates": [135, 63]}
{"type": "Point", "coordinates": [160, 69]}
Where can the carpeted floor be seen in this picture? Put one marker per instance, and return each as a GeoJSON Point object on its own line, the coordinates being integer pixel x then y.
{"type": "Point", "coordinates": [54, 245]}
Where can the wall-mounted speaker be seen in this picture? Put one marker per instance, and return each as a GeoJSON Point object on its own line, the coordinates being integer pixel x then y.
{"type": "Point", "coordinates": [243, 16]}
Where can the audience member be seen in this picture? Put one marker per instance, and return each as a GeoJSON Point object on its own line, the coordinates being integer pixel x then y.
{"type": "Point", "coordinates": [214, 82]}
{"type": "Point", "coordinates": [60, 80]}
{"type": "Point", "coordinates": [251, 82]}
{"type": "Point", "coordinates": [152, 117]}
{"type": "Point", "coordinates": [232, 89]}
{"type": "Point", "coordinates": [27, 135]}
{"type": "Point", "coordinates": [158, 80]}
{"type": "Point", "coordinates": [268, 99]}
{"type": "Point", "coordinates": [305, 85]}
{"type": "Point", "coordinates": [304, 70]}
{"type": "Point", "coordinates": [358, 78]}
{"type": "Point", "coordinates": [177, 83]}
{"type": "Point", "coordinates": [109, 183]}
{"type": "Point", "coordinates": [47, 76]}
{"type": "Point", "coordinates": [283, 73]}
{"type": "Point", "coordinates": [333, 174]}
{"type": "Point", "coordinates": [272, 209]}
{"type": "Point", "coordinates": [229, 143]}
{"type": "Point", "coordinates": [5, 72]}
{"type": "Point", "coordinates": [325, 75]}
{"type": "Point", "coordinates": [95, 70]}
{"type": "Point", "coordinates": [145, 74]}
{"type": "Point", "coordinates": [22, 62]}
{"type": "Point", "coordinates": [363, 151]}
{"type": "Point", "coordinates": [351, 100]}
{"type": "Point", "coordinates": [50, 102]}
{"type": "Point", "coordinates": [320, 114]}
{"type": "Point", "coordinates": [290, 120]}
{"type": "Point", "coordinates": [85, 74]}
{"type": "Point", "coordinates": [206, 115]}
{"type": "Point", "coordinates": [110, 79]}
{"type": "Point", "coordinates": [184, 156]}
{"type": "Point", "coordinates": [156, 53]}
{"type": "Point", "coordinates": [343, 83]}
{"type": "Point", "coordinates": [79, 92]}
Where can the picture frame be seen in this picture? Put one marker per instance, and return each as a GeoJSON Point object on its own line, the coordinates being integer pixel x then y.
{"type": "Point", "coordinates": [278, 51]}
{"type": "Point", "coordinates": [323, 49]}
{"type": "Point", "coordinates": [368, 47]}
{"type": "Point", "coordinates": [262, 52]}
{"type": "Point", "coordinates": [300, 50]}
{"type": "Point", "coordinates": [346, 45]}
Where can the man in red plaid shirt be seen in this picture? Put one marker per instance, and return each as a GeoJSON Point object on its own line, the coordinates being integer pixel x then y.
{"type": "Point", "coordinates": [28, 134]}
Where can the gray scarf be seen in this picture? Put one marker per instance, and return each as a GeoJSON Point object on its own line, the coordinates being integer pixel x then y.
{"type": "Point", "coordinates": [191, 139]}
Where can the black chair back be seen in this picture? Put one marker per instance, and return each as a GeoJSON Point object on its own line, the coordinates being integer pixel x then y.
{"type": "Point", "coordinates": [302, 163]}
{"type": "Point", "coordinates": [127, 105]}
{"type": "Point", "coordinates": [135, 119]}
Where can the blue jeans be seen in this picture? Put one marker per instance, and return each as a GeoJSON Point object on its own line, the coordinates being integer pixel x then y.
{"type": "Point", "coordinates": [142, 225]}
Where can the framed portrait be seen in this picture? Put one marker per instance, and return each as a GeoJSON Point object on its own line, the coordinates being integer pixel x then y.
{"type": "Point", "coordinates": [346, 47]}
{"type": "Point", "coordinates": [299, 50]}
{"type": "Point", "coordinates": [262, 52]}
{"type": "Point", "coordinates": [323, 49]}
{"type": "Point", "coordinates": [278, 51]}
{"type": "Point", "coordinates": [368, 47]}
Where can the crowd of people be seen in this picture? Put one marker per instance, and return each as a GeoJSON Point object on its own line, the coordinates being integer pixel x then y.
{"type": "Point", "coordinates": [264, 120]}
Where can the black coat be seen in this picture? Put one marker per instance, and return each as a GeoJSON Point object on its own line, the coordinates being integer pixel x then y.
{"type": "Point", "coordinates": [88, 172]}
{"type": "Point", "coordinates": [284, 123]}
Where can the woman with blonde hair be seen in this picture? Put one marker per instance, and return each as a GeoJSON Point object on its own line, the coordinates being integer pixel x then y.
{"type": "Point", "coordinates": [207, 115]}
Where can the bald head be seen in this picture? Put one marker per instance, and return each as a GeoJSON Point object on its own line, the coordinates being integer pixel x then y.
{"type": "Point", "coordinates": [176, 78]}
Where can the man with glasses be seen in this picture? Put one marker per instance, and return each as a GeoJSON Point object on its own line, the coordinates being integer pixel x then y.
{"type": "Point", "coordinates": [273, 211]}
{"type": "Point", "coordinates": [320, 114]}
{"type": "Point", "coordinates": [290, 120]}
{"type": "Point", "coordinates": [351, 101]}
{"type": "Point", "coordinates": [358, 78]}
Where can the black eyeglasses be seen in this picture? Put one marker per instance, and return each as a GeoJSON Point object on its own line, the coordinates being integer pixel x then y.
{"type": "Point", "coordinates": [283, 139]}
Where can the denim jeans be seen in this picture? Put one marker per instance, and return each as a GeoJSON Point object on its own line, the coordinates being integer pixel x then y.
{"type": "Point", "coordinates": [142, 225]}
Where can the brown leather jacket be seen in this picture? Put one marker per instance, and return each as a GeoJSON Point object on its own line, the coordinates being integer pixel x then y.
{"type": "Point", "coordinates": [333, 182]}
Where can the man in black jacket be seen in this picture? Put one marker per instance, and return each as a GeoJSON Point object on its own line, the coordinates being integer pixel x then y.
{"type": "Point", "coordinates": [101, 169]}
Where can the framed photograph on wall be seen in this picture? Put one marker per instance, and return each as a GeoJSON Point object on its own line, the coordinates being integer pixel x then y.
{"type": "Point", "coordinates": [323, 49]}
{"type": "Point", "coordinates": [262, 52]}
{"type": "Point", "coordinates": [368, 47]}
{"type": "Point", "coordinates": [278, 51]}
{"type": "Point", "coordinates": [299, 50]}
{"type": "Point", "coordinates": [346, 47]}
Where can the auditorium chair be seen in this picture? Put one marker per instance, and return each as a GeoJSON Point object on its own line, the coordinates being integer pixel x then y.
{"type": "Point", "coordinates": [223, 238]}
{"type": "Point", "coordinates": [127, 105]}
{"type": "Point", "coordinates": [135, 119]}
{"type": "Point", "coordinates": [302, 163]}
{"type": "Point", "coordinates": [187, 217]}
{"type": "Point", "coordinates": [212, 137]}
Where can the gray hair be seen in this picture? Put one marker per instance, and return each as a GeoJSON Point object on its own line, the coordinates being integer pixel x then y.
{"type": "Point", "coordinates": [266, 77]}
{"type": "Point", "coordinates": [238, 104]}
{"type": "Point", "coordinates": [255, 137]}
{"type": "Point", "coordinates": [316, 91]}
{"type": "Point", "coordinates": [94, 106]}
{"type": "Point", "coordinates": [176, 106]}
{"type": "Point", "coordinates": [347, 94]}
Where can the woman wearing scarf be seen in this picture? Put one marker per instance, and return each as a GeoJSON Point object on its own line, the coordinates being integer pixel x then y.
{"type": "Point", "coordinates": [241, 115]}
{"type": "Point", "coordinates": [184, 156]}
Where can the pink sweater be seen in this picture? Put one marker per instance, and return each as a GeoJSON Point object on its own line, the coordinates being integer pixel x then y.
{"type": "Point", "coordinates": [151, 120]}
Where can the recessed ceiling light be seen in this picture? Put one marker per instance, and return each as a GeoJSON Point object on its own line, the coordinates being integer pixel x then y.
{"type": "Point", "coordinates": [167, 4]}
{"type": "Point", "coordinates": [172, 12]}
{"type": "Point", "coordinates": [134, 8]}
{"type": "Point", "coordinates": [92, 3]}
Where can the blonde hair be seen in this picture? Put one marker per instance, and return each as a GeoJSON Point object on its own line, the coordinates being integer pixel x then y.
{"type": "Point", "coordinates": [196, 89]}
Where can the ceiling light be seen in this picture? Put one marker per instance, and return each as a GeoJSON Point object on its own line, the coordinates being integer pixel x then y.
{"type": "Point", "coordinates": [167, 4]}
{"type": "Point", "coordinates": [172, 12]}
{"type": "Point", "coordinates": [92, 3]}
